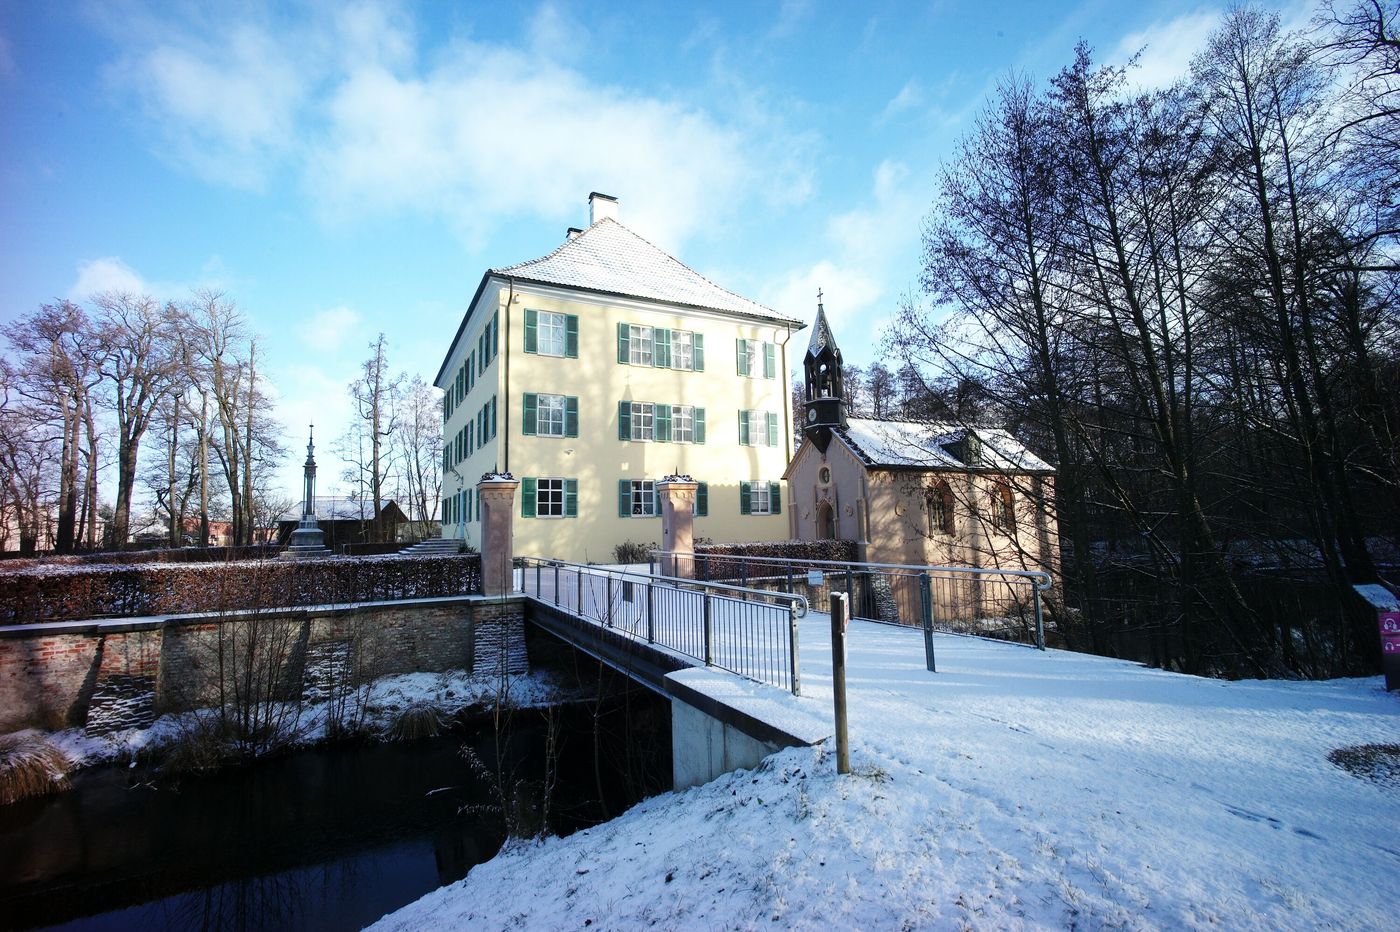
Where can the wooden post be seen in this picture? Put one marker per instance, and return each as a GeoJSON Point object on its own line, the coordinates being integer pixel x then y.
{"type": "Point", "coordinates": [839, 617]}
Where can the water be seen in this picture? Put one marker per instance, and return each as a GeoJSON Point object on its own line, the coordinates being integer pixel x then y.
{"type": "Point", "coordinates": [330, 838]}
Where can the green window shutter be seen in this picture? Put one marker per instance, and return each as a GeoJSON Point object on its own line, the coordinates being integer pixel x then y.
{"type": "Point", "coordinates": [624, 498]}
{"type": "Point", "coordinates": [624, 420]}
{"type": "Point", "coordinates": [571, 336]}
{"type": "Point", "coordinates": [527, 497]}
{"type": "Point", "coordinates": [775, 497]}
{"type": "Point", "coordinates": [531, 415]}
{"type": "Point", "coordinates": [770, 364]}
{"type": "Point", "coordinates": [702, 500]}
{"type": "Point", "coordinates": [661, 348]}
{"type": "Point", "coordinates": [741, 358]}
{"type": "Point", "coordinates": [772, 429]}
{"type": "Point", "coordinates": [624, 352]}
{"type": "Point", "coordinates": [495, 334]}
{"type": "Point", "coordinates": [743, 428]}
{"type": "Point", "coordinates": [571, 498]}
{"type": "Point", "coordinates": [481, 352]}
{"type": "Point", "coordinates": [745, 490]}
{"type": "Point", "coordinates": [655, 501]}
{"type": "Point", "coordinates": [532, 331]}
{"type": "Point", "coordinates": [699, 425]}
{"type": "Point", "coordinates": [493, 415]}
{"type": "Point", "coordinates": [697, 343]}
{"type": "Point", "coordinates": [663, 422]}
{"type": "Point", "coordinates": [571, 416]}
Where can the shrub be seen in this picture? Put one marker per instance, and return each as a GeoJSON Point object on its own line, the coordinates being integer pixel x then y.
{"type": "Point", "coordinates": [726, 561]}
{"type": "Point", "coordinates": [68, 592]}
{"type": "Point", "coordinates": [419, 720]}
{"type": "Point", "coordinates": [30, 766]}
{"type": "Point", "coordinates": [632, 552]}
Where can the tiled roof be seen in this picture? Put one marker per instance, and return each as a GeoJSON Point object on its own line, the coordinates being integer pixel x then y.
{"type": "Point", "coordinates": [937, 446]}
{"type": "Point", "coordinates": [608, 257]}
{"type": "Point", "coordinates": [336, 508]}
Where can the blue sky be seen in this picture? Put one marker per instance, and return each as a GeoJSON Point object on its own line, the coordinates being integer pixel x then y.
{"type": "Point", "coordinates": [342, 169]}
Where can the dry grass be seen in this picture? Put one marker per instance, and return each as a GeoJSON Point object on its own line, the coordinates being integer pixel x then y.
{"type": "Point", "coordinates": [1379, 763]}
{"type": "Point", "coordinates": [417, 721]}
{"type": "Point", "coordinates": [30, 766]}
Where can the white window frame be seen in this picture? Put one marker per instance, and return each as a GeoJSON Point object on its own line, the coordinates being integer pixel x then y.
{"type": "Point", "coordinates": [639, 345]}
{"type": "Point", "coordinates": [551, 331]}
{"type": "Point", "coordinates": [761, 497]}
{"type": "Point", "coordinates": [549, 494]}
{"type": "Point", "coordinates": [753, 351]}
{"type": "Point", "coordinates": [682, 423]}
{"type": "Point", "coordinates": [683, 350]}
{"type": "Point", "coordinates": [553, 426]}
{"type": "Point", "coordinates": [758, 428]}
{"type": "Point", "coordinates": [643, 498]}
{"type": "Point", "coordinates": [643, 420]}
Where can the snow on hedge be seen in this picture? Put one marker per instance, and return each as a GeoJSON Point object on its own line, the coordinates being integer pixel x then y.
{"type": "Point", "coordinates": [1012, 789]}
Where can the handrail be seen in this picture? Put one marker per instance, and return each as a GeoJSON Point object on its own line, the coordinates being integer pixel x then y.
{"type": "Point", "coordinates": [604, 568]}
{"type": "Point", "coordinates": [1044, 580]}
{"type": "Point", "coordinates": [747, 631]}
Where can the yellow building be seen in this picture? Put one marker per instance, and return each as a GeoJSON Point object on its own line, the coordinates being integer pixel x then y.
{"type": "Point", "coordinates": [597, 370]}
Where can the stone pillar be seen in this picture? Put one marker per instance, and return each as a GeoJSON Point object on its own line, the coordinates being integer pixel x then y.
{"type": "Point", "coordinates": [496, 498]}
{"type": "Point", "coordinates": [678, 525]}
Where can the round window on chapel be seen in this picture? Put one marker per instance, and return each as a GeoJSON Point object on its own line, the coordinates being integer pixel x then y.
{"type": "Point", "coordinates": [824, 476]}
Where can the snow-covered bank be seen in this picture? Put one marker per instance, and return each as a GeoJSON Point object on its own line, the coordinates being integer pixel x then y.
{"type": "Point", "coordinates": [1012, 789]}
{"type": "Point", "coordinates": [385, 699]}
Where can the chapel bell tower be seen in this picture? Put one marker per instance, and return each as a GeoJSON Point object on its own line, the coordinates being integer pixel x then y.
{"type": "Point", "coordinates": [824, 408]}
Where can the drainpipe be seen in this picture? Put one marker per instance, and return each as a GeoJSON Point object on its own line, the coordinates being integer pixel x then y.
{"type": "Point", "coordinates": [505, 361]}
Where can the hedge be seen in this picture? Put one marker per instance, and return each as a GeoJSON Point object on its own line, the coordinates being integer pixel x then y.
{"type": "Point", "coordinates": [712, 564]}
{"type": "Point", "coordinates": [74, 592]}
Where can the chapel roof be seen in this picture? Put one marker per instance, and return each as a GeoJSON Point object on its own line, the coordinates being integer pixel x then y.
{"type": "Point", "coordinates": [919, 445]}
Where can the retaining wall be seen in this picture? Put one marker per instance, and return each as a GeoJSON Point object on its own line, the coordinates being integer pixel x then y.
{"type": "Point", "coordinates": [116, 673]}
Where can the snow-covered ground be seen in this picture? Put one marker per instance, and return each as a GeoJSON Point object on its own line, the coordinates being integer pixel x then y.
{"type": "Point", "coordinates": [1011, 789]}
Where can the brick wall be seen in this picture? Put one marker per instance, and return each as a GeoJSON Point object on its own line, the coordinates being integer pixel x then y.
{"type": "Point", "coordinates": [125, 671]}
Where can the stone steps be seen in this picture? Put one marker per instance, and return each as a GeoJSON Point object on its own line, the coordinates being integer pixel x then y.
{"type": "Point", "coordinates": [433, 546]}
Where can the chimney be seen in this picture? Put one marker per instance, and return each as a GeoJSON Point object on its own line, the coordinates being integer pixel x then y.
{"type": "Point", "coordinates": [600, 207]}
{"type": "Point", "coordinates": [574, 232]}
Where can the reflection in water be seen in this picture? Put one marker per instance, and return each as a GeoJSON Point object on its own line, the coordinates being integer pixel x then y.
{"type": "Point", "coordinates": [330, 838]}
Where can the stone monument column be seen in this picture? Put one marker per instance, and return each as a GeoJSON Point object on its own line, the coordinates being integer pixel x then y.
{"type": "Point", "coordinates": [496, 498]}
{"type": "Point", "coordinates": [678, 525]}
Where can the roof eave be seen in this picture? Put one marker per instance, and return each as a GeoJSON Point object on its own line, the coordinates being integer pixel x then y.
{"type": "Point", "coordinates": [767, 318]}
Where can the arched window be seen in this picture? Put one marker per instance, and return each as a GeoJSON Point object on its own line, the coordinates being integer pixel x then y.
{"type": "Point", "coordinates": [826, 521]}
{"type": "Point", "coordinates": [938, 502]}
{"type": "Point", "coordinates": [1003, 507]}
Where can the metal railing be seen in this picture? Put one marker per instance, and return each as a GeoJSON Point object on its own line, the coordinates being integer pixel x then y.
{"type": "Point", "coordinates": [995, 603]}
{"type": "Point", "coordinates": [751, 632]}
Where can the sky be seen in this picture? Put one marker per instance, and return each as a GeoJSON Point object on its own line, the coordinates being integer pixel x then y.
{"type": "Point", "coordinates": [346, 169]}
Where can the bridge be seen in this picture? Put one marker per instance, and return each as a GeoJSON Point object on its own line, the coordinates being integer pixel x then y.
{"type": "Point", "coordinates": [727, 655]}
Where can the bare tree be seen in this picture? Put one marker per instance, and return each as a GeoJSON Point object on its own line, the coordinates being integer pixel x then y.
{"type": "Point", "coordinates": [375, 395]}
{"type": "Point", "coordinates": [416, 445]}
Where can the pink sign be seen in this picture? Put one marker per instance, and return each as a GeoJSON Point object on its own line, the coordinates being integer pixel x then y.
{"type": "Point", "coordinates": [1390, 645]}
{"type": "Point", "coordinates": [1389, 622]}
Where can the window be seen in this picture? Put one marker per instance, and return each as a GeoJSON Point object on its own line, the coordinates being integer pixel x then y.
{"type": "Point", "coordinates": [1003, 507]}
{"type": "Point", "coordinates": [639, 345]}
{"type": "Point", "coordinates": [682, 423]}
{"type": "Point", "coordinates": [758, 429]}
{"type": "Point", "coordinates": [682, 349]}
{"type": "Point", "coordinates": [548, 497]}
{"type": "Point", "coordinates": [938, 502]}
{"type": "Point", "coordinates": [643, 417]}
{"type": "Point", "coordinates": [702, 500]}
{"type": "Point", "coordinates": [760, 498]}
{"type": "Point", "coordinates": [549, 416]}
{"type": "Point", "coordinates": [551, 334]}
{"type": "Point", "coordinates": [644, 498]}
{"type": "Point", "coordinates": [755, 359]}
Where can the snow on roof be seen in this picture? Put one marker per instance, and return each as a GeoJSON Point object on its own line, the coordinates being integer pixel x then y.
{"type": "Point", "coordinates": [610, 258]}
{"type": "Point", "coordinates": [336, 508]}
{"type": "Point", "coordinates": [937, 446]}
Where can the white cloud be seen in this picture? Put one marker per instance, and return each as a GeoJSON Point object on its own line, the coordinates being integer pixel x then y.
{"type": "Point", "coordinates": [910, 96]}
{"type": "Point", "coordinates": [328, 330]}
{"type": "Point", "coordinates": [867, 247]}
{"type": "Point", "coordinates": [481, 133]}
{"type": "Point", "coordinates": [1165, 48]}
{"type": "Point", "coordinates": [106, 274]}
